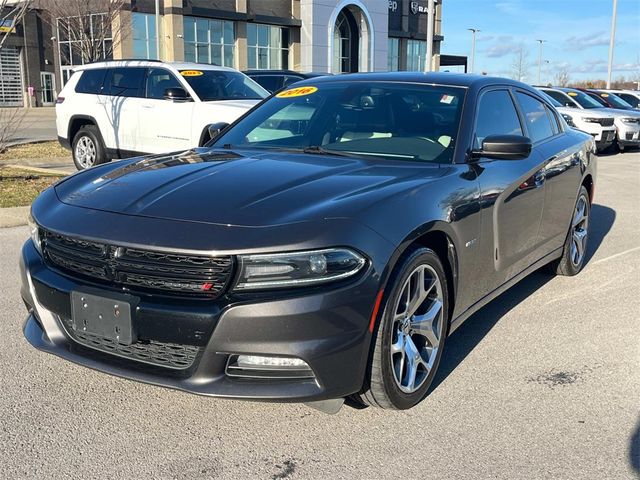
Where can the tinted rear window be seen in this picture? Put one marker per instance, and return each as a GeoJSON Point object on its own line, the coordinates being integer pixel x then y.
{"type": "Point", "coordinates": [91, 81]}
{"type": "Point", "coordinates": [125, 82]}
{"type": "Point", "coordinates": [536, 117]}
{"type": "Point", "coordinates": [269, 82]}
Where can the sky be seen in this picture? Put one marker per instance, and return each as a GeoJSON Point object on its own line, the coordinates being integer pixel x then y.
{"type": "Point", "coordinates": [576, 34]}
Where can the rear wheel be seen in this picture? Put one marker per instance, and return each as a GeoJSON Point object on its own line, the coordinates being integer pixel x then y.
{"type": "Point", "coordinates": [575, 245]}
{"type": "Point", "coordinates": [88, 148]}
{"type": "Point", "coordinates": [411, 334]}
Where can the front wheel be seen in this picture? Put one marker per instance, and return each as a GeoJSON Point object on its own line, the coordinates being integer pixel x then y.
{"type": "Point", "coordinates": [411, 334]}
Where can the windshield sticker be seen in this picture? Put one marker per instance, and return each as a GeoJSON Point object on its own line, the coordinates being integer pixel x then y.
{"type": "Point", "coordinates": [446, 99]}
{"type": "Point", "coordinates": [297, 92]}
{"type": "Point", "coordinates": [572, 94]}
{"type": "Point", "coordinates": [191, 73]}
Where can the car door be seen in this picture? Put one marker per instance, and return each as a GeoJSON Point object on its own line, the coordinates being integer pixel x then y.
{"type": "Point", "coordinates": [120, 102]}
{"type": "Point", "coordinates": [512, 193]}
{"type": "Point", "coordinates": [165, 125]}
{"type": "Point", "coordinates": [561, 167]}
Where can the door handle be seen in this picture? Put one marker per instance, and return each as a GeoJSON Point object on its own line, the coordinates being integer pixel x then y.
{"type": "Point", "coordinates": [147, 106]}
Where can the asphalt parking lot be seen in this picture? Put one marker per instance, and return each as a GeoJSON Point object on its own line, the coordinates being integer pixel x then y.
{"type": "Point", "coordinates": [542, 383]}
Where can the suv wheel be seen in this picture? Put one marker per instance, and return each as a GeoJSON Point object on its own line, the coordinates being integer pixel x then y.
{"type": "Point", "coordinates": [88, 148]}
{"type": "Point", "coordinates": [411, 334]}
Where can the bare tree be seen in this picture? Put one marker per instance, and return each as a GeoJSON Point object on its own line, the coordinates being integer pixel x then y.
{"type": "Point", "coordinates": [561, 78]}
{"type": "Point", "coordinates": [11, 14]}
{"type": "Point", "coordinates": [11, 120]}
{"type": "Point", "coordinates": [92, 27]}
{"type": "Point", "coordinates": [520, 64]}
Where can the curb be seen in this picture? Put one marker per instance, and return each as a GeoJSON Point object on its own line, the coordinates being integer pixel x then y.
{"type": "Point", "coordinates": [14, 216]}
{"type": "Point", "coordinates": [47, 171]}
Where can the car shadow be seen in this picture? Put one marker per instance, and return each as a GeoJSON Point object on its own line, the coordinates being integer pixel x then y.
{"type": "Point", "coordinates": [476, 327]}
{"type": "Point", "coordinates": [634, 450]}
{"type": "Point", "coordinates": [602, 220]}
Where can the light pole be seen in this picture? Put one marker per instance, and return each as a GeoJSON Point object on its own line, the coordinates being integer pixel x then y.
{"type": "Point", "coordinates": [158, 29]}
{"type": "Point", "coordinates": [431, 14]}
{"type": "Point", "coordinates": [612, 41]}
{"type": "Point", "coordinates": [473, 47]}
{"type": "Point", "coordinates": [540, 58]}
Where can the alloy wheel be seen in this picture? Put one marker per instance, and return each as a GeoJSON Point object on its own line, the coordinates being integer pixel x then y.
{"type": "Point", "coordinates": [417, 328]}
{"type": "Point", "coordinates": [85, 152]}
{"type": "Point", "coordinates": [579, 231]}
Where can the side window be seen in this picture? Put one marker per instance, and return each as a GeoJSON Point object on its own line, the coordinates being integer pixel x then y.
{"type": "Point", "coordinates": [158, 80]}
{"type": "Point", "coordinates": [496, 116]}
{"type": "Point", "coordinates": [560, 97]}
{"type": "Point", "coordinates": [536, 117]}
{"type": "Point", "coordinates": [125, 82]}
{"type": "Point", "coordinates": [91, 81]}
{"type": "Point", "coordinates": [555, 122]}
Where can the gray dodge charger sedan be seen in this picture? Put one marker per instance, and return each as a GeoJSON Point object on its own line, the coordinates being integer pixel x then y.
{"type": "Point", "coordinates": [322, 247]}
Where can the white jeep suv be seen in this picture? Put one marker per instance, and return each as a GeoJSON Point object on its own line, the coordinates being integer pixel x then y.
{"type": "Point", "coordinates": [119, 109]}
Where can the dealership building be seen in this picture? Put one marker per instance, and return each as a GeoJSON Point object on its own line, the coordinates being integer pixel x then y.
{"type": "Point", "coordinates": [336, 36]}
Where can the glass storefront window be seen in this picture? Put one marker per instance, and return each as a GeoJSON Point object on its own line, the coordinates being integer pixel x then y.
{"type": "Point", "coordinates": [95, 36]}
{"type": "Point", "coordinates": [143, 28]}
{"type": "Point", "coordinates": [416, 53]}
{"type": "Point", "coordinates": [393, 52]}
{"type": "Point", "coordinates": [209, 41]}
{"type": "Point", "coordinates": [267, 47]}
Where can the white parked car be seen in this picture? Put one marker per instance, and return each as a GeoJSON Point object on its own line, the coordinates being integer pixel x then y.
{"type": "Point", "coordinates": [597, 124]}
{"type": "Point", "coordinates": [119, 109]}
{"type": "Point", "coordinates": [627, 123]}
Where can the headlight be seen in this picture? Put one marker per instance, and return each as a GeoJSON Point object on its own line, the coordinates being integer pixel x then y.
{"type": "Point", "coordinates": [297, 269]}
{"type": "Point", "coordinates": [568, 119]}
{"type": "Point", "coordinates": [590, 120]}
{"type": "Point", "coordinates": [34, 231]}
{"type": "Point", "coordinates": [630, 120]}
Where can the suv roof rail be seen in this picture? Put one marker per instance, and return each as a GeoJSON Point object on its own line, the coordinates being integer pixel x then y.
{"type": "Point", "coordinates": [125, 60]}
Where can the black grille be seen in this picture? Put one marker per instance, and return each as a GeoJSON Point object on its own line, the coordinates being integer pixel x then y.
{"type": "Point", "coordinates": [169, 355]}
{"type": "Point", "coordinates": [139, 269]}
{"type": "Point", "coordinates": [605, 122]}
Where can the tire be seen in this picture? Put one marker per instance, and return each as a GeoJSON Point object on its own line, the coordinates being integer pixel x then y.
{"type": "Point", "coordinates": [88, 148]}
{"type": "Point", "coordinates": [388, 384]}
{"type": "Point", "coordinates": [575, 246]}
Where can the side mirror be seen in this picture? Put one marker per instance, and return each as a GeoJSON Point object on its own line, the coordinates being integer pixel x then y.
{"type": "Point", "coordinates": [504, 147]}
{"type": "Point", "coordinates": [215, 128]}
{"type": "Point", "coordinates": [176, 94]}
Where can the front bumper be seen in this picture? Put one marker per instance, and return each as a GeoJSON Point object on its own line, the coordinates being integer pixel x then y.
{"type": "Point", "coordinates": [628, 134]}
{"type": "Point", "coordinates": [328, 329]}
{"type": "Point", "coordinates": [604, 137]}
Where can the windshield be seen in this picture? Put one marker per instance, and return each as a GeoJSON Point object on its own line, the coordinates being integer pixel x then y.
{"type": "Point", "coordinates": [616, 101]}
{"type": "Point", "coordinates": [212, 85]}
{"type": "Point", "coordinates": [584, 100]}
{"type": "Point", "coordinates": [391, 120]}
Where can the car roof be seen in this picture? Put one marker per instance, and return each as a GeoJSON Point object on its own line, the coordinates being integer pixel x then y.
{"type": "Point", "coordinates": [433, 78]}
{"type": "Point", "coordinates": [286, 72]}
{"type": "Point", "coordinates": [153, 63]}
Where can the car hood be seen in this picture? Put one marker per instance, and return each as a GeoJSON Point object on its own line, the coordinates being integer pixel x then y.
{"type": "Point", "coordinates": [248, 188]}
{"type": "Point", "coordinates": [583, 112]}
{"type": "Point", "coordinates": [615, 112]}
{"type": "Point", "coordinates": [239, 104]}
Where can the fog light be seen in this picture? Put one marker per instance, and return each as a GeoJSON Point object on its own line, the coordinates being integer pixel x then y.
{"type": "Point", "coordinates": [253, 361]}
